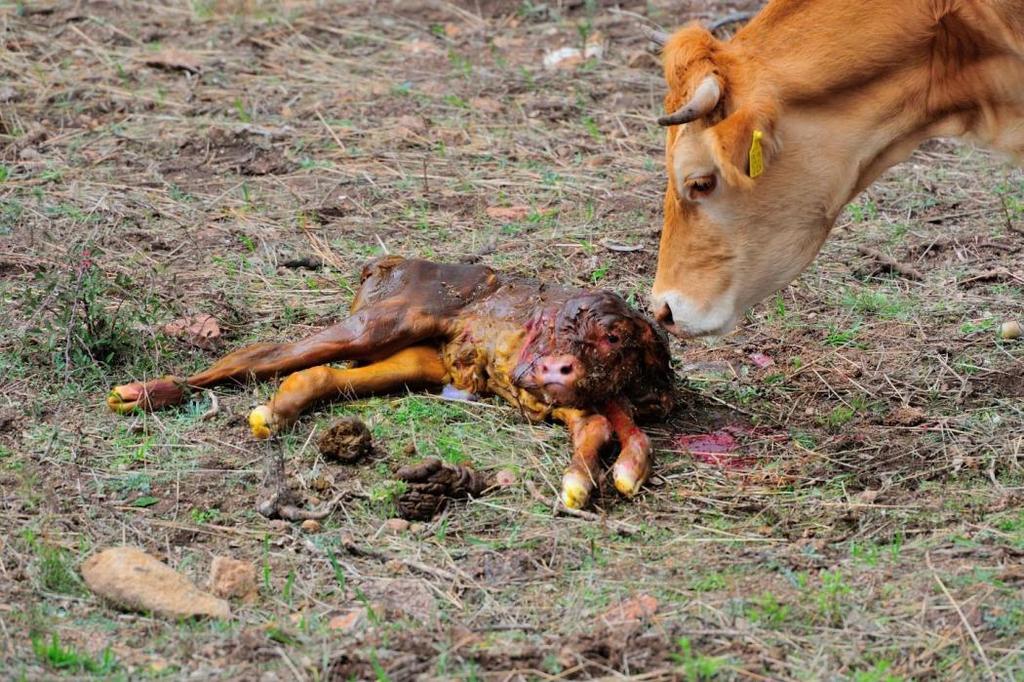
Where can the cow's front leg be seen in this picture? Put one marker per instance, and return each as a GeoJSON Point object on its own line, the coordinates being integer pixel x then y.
{"type": "Point", "coordinates": [590, 433]}
{"type": "Point", "coordinates": [633, 465]}
{"type": "Point", "coordinates": [414, 367]}
{"type": "Point", "coordinates": [373, 332]}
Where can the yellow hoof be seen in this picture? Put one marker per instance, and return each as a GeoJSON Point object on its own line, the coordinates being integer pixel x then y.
{"type": "Point", "coordinates": [261, 422]}
{"type": "Point", "coordinates": [575, 492]}
{"type": "Point", "coordinates": [627, 485]}
{"type": "Point", "coordinates": [117, 403]}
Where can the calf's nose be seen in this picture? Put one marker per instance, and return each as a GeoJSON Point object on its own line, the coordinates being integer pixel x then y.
{"type": "Point", "coordinates": [559, 369]}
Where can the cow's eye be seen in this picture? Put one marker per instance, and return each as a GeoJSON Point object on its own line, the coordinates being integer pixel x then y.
{"type": "Point", "coordinates": [701, 186]}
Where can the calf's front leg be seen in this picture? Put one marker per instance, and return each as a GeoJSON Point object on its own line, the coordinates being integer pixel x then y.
{"type": "Point", "coordinates": [376, 331]}
{"type": "Point", "coordinates": [633, 465]}
{"type": "Point", "coordinates": [590, 433]}
{"type": "Point", "coordinates": [416, 366]}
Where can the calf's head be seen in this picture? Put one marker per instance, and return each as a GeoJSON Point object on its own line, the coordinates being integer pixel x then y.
{"type": "Point", "coordinates": [594, 348]}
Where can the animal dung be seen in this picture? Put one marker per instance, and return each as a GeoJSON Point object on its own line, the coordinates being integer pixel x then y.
{"type": "Point", "coordinates": [347, 440]}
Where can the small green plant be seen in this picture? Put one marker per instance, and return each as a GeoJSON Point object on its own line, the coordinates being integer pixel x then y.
{"type": "Point", "coordinates": [875, 303]}
{"type": "Point", "coordinates": [879, 672]}
{"type": "Point", "coordinates": [842, 337]}
{"type": "Point", "coordinates": [767, 610]}
{"type": "Point", "coordinates": [592, 128]}
{"type": "Point", "coordinates": [204, 515]}
{"type": "Point", "coordinates": [52, 654]}
{"type": "Point", "coordinates": [248, 242]}
{"type": "Point", "coordinates": [266, 563]}
{"type": "Point", "coordinates": [708, 583]}
{"type": "Point", "coordinates": [339, 572]}
{"type": "Point", "coordinates": [73, 327]}
{"type": "Point", "coordinates": [289, 587]}
{"type": "Point", "coordinates": [861, 212]}
{"type": "Point", "coordinates": [386, 494]}
{"type": "Point", "coordinates": [839, 416]}
{"type": "Point", "coordinates": [975, 326]}
{"type": "Point", "coordinates": [378, 669]}
{"type": "Point", "coordinates": [832, 597]}
{"type": "Point", "coordinates": [866, 553]}
{"type": "Point", "coordinates": [695, 667]}
{"type": "Point", "coordinates": [243, 114]}
{"type": "Point", "coordinates": [57, 571]}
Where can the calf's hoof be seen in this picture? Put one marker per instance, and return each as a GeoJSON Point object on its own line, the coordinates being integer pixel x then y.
{"type": "Point", "coordinates": [576, 489]}
{"type": "Point", "coordinates": [146, 396]}
{"type": "Point", "coordinates": [262, 423]}
{"type": "Point", "coordinates": [629, 477]}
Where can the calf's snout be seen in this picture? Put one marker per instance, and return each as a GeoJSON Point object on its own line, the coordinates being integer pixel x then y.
{"type": "Point", "coordinates": [559, 369]}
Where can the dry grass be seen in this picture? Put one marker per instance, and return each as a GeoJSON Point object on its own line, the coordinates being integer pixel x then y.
{"type": "Point", "coordinates": [864, 540]}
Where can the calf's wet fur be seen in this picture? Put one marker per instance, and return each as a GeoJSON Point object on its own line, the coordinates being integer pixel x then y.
{"type": "Point", "coordinates": [582, 357]}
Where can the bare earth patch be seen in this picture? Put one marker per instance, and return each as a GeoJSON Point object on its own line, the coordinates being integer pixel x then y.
{"type": "Point", "coordinates": [838, 495]}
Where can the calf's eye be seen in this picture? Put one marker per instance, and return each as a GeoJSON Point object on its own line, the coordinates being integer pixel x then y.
{"type": "Point", "coordinates": [613, 338]}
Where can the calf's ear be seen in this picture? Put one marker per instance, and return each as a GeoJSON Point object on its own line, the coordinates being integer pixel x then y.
{"type": "Point", "coordinates": [744, 143]}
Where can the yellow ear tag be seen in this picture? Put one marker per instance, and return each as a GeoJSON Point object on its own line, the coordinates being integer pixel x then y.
{"type": "Point", "coordinates": [756, 155]}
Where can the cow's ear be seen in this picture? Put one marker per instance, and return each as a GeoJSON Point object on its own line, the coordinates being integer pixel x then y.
{"type": "Point", "coordinates": [744, 143]}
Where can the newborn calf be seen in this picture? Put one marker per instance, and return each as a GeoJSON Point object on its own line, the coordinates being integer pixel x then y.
{"type": "Point", "coordinates": [582, 357]}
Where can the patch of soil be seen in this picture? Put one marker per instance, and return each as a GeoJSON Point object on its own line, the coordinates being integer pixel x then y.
{"type": "Point", "coordinates": [245, 152]}
{"type": "Point", "coordinates": [502, 567]}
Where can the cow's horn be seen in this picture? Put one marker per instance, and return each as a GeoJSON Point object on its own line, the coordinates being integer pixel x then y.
{"type": "Point", "coordinates": [704, 100]}
{"type": "Point", "coordinates": [657, 37]}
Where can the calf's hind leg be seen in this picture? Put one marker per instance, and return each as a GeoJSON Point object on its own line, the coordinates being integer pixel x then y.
{"type": "Point", "coordinates": [415, 366]}
{"type": "Point", "coordinates": [375, 331]}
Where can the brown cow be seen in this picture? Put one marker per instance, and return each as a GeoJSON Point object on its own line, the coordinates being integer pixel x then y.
{"type": "Point", "coordinates": [772, 133]}
{"type": "Point", "coordinates": [582, 357]}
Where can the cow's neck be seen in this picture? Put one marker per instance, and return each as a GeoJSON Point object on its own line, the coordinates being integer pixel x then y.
{"type": "Point", "coordinates": [877, 78]}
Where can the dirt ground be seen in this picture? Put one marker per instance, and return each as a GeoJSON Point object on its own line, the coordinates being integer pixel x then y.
{"type": "Point", "coordinates": [242, 159]}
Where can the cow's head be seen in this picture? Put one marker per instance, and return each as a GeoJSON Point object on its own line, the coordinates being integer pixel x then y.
{"type": "Point", "coordinates": [729, 239]}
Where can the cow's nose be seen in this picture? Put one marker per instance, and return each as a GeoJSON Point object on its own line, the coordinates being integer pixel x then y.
{"type": "Point", "coordinates": [664, 315]}
{"type": "Point", "coordinates": [560, 369]}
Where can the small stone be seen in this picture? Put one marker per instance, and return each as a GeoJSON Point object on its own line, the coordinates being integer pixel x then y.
{"type": "Point", "coordinates": [137, 581]}
{"type": "Point", "coordinates": [311, 526]}
{"type": "Point", "coordinates": [397, 525]}
{"type": "Point", "coordinates": [347, 440]}
{"type": "Point", "coordinates": [347, 621]}
{"type": "Point", "coordinates": [394, 566]}
{"type": "Point", "coordinates": [1010, 330]}
{"type": "Point", "coordinates": [279, 525]}
{"type": "Point", "coordinates": [416, 528]}
{"type": "Point", "coordinates": [905, 415]}
{"type": "Point", "coordinates": [233, 579]}
{"type": "Point", "coordinates": [409, 449]}
{"type": "Point", "coordinates": [505, 478]}
{"type": "Point", "coordinates": [639, 608]}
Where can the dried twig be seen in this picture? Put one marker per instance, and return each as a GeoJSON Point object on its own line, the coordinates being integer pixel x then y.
{"type": "Point", "coordinates": [891, 263]}
{"type": "Point", "coordinates": [963, 618]}
{"type": "Point", "coordinates": [214, 407]}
